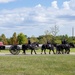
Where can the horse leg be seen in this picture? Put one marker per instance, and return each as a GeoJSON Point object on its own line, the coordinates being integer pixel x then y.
{"type": "Point", "coordinates": [44, 51]}
{"type": "Point", "coordinates": [68, 51]}
{"type": "Point", "coordinates": [24, 51]}
{"type": "Point", "coordinates": [35, 51]}
{"type": "Point", "coordinates": [65, 51]}
{"type": "Point", "coordinates": [31, 51]}
{"type": "Point", "coordinates": [41, 51]}
{"type": "Point", "coordinates": [57, 51]}
{"type": "Point", "coordinates": [49, 51]}
{"type": "Point", "coordinates": [53, 51]}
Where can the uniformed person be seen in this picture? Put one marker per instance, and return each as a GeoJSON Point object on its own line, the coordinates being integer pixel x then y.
{"type": "Point", "coordinates": [29, 42]}
{"type": "Point", "coordinates": [48, 42]}
{"type": "Point", "coordinates": [64, 41]}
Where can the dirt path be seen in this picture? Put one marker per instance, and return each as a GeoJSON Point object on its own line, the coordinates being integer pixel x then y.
{"type": "Point", "coordinates": [9, 54]}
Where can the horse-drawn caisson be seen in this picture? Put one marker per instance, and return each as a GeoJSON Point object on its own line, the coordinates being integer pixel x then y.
{"type": "Point", "coordinates": [15, 49]}
{"type": "Point", "coordinates": [63, 48]}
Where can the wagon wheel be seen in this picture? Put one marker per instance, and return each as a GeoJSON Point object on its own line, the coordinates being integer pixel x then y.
{"type": "Point", "coordinates": [15, 50]}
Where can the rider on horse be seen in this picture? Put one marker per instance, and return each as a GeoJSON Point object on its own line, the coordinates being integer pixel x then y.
{"type": "Point", "coordinates": [64, 41]}
{"type": "Point", "coordinates": [48, 42]}
{"type": "Point", "coordinates": [66, 46]}
{"type": "Point", "coordinates": [29, 42]}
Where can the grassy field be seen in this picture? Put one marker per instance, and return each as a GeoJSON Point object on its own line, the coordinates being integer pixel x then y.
{"type": "Point", "coordinates": [37, 65]}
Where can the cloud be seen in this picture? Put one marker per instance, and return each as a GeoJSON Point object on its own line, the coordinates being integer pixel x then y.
{"type": "Point", "coordinates": [54, 4]}
{"type": "Point", "coordinates": [38, 6]}
{"type": "Point", "coordinates": [66, 5]}
{"type": "Point", "coordinates": [72, 4]}
{"type": "Point", "coordinates": [35, 20]}
{"type": "Point", "coordinates": [6, 1]}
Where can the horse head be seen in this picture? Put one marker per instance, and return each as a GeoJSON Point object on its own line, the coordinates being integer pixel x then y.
{"type": "Point", "coordinates": [36, 44]}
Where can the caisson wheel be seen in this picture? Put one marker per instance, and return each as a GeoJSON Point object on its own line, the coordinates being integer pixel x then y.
{"type": "Point", "coordinates": [14, 49]}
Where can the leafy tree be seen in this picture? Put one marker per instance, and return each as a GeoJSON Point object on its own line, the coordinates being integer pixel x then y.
{"type": "Point", "coordinates": [44, 38]}
{"type": "Point", "coordinates": [0, 38]}
{"type": "Point", "coordinates": [4, 40]}
{"type": "Point", "coordinates": [58, 41]}
{"type": "Point", "coordinates": [22, 39]}
{"type": "Point", "coordinates": [48, 36]}
{"type": "Point", "coordinates": [14, 38]}
{"type": "Point", "coordinates": [34, 39]}
{"type": "Point", "coordinates": [11, 40]}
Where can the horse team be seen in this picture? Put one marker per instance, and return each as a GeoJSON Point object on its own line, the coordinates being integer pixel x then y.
{"type": "Point", "coordinates": [63, 48]}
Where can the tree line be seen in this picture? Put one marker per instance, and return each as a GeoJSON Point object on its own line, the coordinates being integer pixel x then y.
{"type": "Point", "coordinates": [21, 38]}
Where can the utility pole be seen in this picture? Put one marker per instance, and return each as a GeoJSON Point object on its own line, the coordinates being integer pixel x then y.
{"type": "Point", "coordinates": [72, 31]}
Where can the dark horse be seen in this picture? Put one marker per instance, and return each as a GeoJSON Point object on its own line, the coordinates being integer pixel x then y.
{"type": "Point", "coordinates": [47, 46]}
{"type": "Point", "coordinates": [62, 48]}
{"type": "Point", "coordinates": [33, 46]}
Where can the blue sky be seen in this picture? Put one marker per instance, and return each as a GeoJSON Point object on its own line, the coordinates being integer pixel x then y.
{"type": "Point", "coordinates": [34, 17]}
{"type": "Point", "coordinates": [28, 3]}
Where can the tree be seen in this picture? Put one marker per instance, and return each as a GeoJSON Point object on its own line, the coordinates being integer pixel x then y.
{"type": "Point", "coordinates": [22, 39]}
{"type": "Point", "coordinates": [48, 36]}
{"type": "Point", "coordinates": [43, 38]}
{"type": "Point", "coordinates": [14, 38]}
{"type": "Point", "coordinates": [4, 40]}
{"type": "Point", "coordinates": [54, 30]}
{"type": "Point", "coordinates": [47, 32]}
{"type": "Point", "coordinates": [11, 40]}
{"type": "Point", "coordinates": [0, 38]}
{"type": "Point", "coordinates": [34, 39]}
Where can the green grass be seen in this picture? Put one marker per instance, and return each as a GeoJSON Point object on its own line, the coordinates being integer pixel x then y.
{"type": "Point", "coordinates": [72, 49]}
{"type": "Point", "coordinates": [37, 65]}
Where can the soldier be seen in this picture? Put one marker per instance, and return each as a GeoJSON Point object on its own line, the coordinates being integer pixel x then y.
{"type": "Point", "coordinates": [64, 41]}
{"type": "Point", "coordinates": [29, 42]}
{"type": "Point", "coordinates": [48, 42]}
